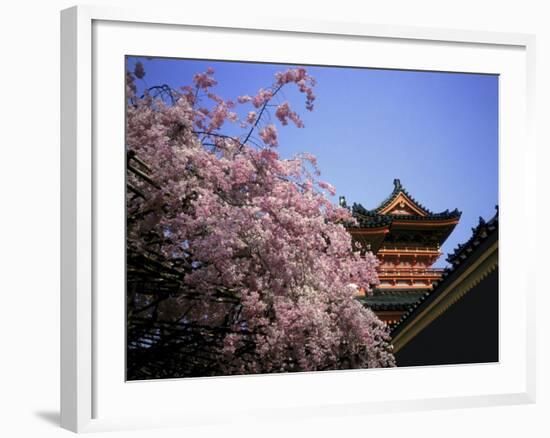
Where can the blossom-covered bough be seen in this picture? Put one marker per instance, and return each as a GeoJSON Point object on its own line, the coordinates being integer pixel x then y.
{"type": "Point", "coordinates": [237, 262]}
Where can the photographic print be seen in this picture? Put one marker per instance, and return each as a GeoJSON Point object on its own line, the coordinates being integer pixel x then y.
{"type": "Point", "coordinates": [306, 218]}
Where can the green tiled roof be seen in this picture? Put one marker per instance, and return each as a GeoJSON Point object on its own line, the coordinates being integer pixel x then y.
{"type": "Point", "coordinates": [373, 218]}
{"type": "Point", "coordinates": [393, 299]}
{"type": "Point", "coordinates": [398, 188]}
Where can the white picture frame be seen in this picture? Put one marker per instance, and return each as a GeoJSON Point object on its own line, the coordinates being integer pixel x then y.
{"type": "Point", "coordinates": [87, 388]}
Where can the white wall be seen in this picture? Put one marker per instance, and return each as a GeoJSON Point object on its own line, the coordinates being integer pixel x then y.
{"type": "Point", "coordinates": [29, 183]}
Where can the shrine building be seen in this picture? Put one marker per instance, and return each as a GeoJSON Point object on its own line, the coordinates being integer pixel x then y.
{"type": "Point", "coordinates": [436, 316]}
{"type": "Point", "coordinates": [406, 237]}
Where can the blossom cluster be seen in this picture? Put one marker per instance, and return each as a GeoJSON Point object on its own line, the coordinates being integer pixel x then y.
{"type": "Point", "coordinates": [269, 135]}
{"type": "Point", "coordinates": [255, 226]}
{"type": "Point", "coordinates": [302, 79]}
{"type": "Point", "coordinates": [284, 113]}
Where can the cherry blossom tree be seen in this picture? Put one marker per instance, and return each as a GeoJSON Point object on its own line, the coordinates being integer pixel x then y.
{"type": "Point", "coordinates": [237, 260]}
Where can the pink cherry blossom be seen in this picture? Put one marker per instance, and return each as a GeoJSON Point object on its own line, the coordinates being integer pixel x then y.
{"type": "Point", "coordinates": [262, 97]}
{"type": "Point", "coordinates": [236, 248]}
{"type": "Point", "coordinates": [244, 99]}
{"type": "Point", "coordinates": [328, 187]}
{"type": "Point", "coordinates": [251, 117]}
{"type": "Point", "coordinates": [283, 113]}
{"type": "Point", "coordinates": [269, 135]}
{"type": "Point", "coordinates": [303, 81]}
{"type": "Point", "coordinates": [205, 80]}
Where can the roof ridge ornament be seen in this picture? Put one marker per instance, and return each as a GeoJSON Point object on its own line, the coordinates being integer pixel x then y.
{"type": "Point", "coordinates": [397, 185]}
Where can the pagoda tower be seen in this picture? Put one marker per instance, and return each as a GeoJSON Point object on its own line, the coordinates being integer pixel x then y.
{"type": "Point", "coordinates": [406, 238]}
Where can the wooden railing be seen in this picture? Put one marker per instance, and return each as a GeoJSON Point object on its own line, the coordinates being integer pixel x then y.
{"type": "Point", "coordinates": [408, 272]}
{"type": "Point", "coordinates": [409, 250]}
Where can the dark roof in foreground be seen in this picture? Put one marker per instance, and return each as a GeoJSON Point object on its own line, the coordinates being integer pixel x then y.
{"type": "Point", "coordinates": [480, 232]}
{"type": "Point", "coordinates": [482, 235]}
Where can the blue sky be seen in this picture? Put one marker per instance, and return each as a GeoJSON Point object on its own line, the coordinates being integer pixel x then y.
{"type": "Point", "coordinates": [436, 132]}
